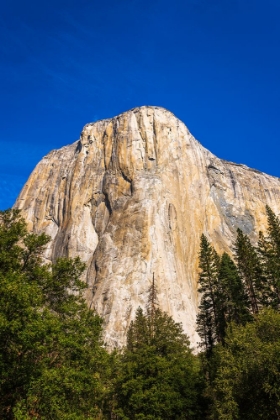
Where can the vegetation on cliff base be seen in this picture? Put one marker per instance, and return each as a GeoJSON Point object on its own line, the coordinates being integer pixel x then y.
{"type": "Point", "coordinates": [242, 365]}
{"type": "Point", "coordinates": [246, 382]}
{"type": "Point", "coordinates": [159, 376]}
{"type": "Point", "coordinates": [53, 364]}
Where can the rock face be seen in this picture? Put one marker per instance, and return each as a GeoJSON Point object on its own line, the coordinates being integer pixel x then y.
{"type": "Point", "coordinates": [132, 198]}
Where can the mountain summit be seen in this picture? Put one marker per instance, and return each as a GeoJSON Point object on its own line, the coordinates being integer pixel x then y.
{"type": "Point", "coordinates": [132, 197]}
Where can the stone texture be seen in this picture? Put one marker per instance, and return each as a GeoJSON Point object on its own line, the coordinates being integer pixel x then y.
{"type": "Point", "coordinates": [132, 197]}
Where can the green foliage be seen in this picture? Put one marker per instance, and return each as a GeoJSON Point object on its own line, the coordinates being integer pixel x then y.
{"type": "Point", "coordinates": [210, 320]}
{"type": "Point", "coordinates": [269, 251]}
{"type": "Point", "coordinates": [242, 370]}
{"type": "Point", "coordinates": [247, 383]}
{"type": "Point", "coordinates": [234, 302]}
{"type": "Point", "coordinates": [159, 376]}
{"type": "Point", "coordinates": [52, 362]}
{"type": "Point", "coordinates": [249, 266]}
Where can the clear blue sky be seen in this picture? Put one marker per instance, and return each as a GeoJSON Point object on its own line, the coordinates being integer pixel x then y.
{"type": "Point", "coordinates": [214, 63]}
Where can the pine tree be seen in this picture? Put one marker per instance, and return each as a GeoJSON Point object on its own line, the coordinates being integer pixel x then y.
{"type": "Point", "coordinates": [139, 332]}
{"type": "Point", "coordinates": [266, 255]}
{"type": "Point", "coordinates": [159, 377]}
{"type": "Point", "coordinates": [269, 251]}
{"type": "Point", "coordinates": [233, 297]}
{"type": "Point", "coordinates": [273, 229]}
{"type": "Point", "coordinates": [152, 305]}
{"type": "Point", "coordinates": [210, 321]}
{"type": "Point", "coordinates": [250, 269]}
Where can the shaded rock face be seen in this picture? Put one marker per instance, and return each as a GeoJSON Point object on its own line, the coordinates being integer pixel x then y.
{"type": "Point", "coordinates": [132, 198]}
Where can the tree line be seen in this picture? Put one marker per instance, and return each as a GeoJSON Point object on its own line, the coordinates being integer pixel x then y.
{"type": "Point", "coordinates": [54, 364]}
{"type": "Point", "coordinates": [239, 325]}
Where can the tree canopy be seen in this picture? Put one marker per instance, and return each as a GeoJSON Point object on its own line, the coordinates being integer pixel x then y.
{"type": "Point", "coordinates": [52, 362]}
{"type": "Point", "coordinates": [242, 368]}
{"type": "Point", "coordinates": [54, 365]}
{"type": "Point", "coordinates": [247, 382]}
{"type": "Point", "coordinates": [159, 376]}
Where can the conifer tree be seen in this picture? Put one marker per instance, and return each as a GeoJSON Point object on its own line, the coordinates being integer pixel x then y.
{"type": "Point", "coordinates": [250, 269]}
{"type": "Point", "coordinates": [234, 301]}
{"type": "Point", "coordinates": [266, 255]}
{"type": "Point", "coordinates": [139, 332]}
{"type": "Point", "coordinates": [210, 320]}
{"type": "Point", "coordinates": [159, 377]}
{"type": "Point", "coordinates": [269, 251]}
{"type": "Point", "coordinates": [152, 305]}
{"type": "Point", "coordinates": [273, 229]}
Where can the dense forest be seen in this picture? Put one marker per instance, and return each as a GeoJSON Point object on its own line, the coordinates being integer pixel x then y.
{"type": "Point", "coordinates": [54, 365]}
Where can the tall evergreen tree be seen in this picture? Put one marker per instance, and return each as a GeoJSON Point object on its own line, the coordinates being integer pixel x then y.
{"type": "Point", "coordinates": [210, 320]}
{"type": "Point", "coordinates": [273, 229]}
{"type": "Point", "coordinates": [269, 251]}
{"type": "Point", "coordinates": [250, 269]}
{"type": "Point", "coordinates": [152, 305]}
{"type": "Point", "coordinates": [234, 301]}
{"type": "Point", "coordinates": [159, 376]}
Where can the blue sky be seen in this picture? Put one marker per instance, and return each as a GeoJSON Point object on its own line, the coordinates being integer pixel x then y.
{"type": "Point", "coordinates": [214, 63]}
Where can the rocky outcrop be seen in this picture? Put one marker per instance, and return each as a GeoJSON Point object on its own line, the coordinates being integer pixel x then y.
{"type": "Point", "coordinates": [132, 198]}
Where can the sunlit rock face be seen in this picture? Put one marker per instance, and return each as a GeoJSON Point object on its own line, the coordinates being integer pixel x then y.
{"type": "Point", "coordinates": [132, 198]}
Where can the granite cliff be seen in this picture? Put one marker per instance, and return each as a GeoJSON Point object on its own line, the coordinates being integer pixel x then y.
{"type": "Point", "coordinates": [131, 197]}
